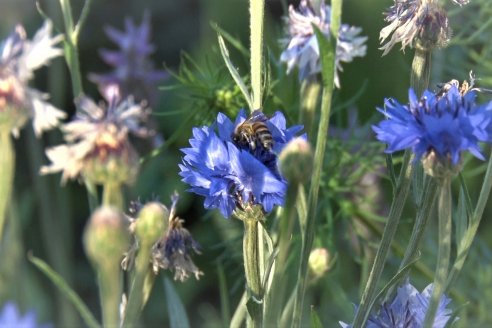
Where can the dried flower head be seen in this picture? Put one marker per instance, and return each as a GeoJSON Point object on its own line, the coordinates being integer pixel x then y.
{"type": "Point", "coordinates": [422, 23]}
{"type": "Point", "coordinates": [98, 146]}
{"type": "Point", "coordinates": [441, 125]}
{"type": "Point", "coordinates": [302, 46]}
{"type": "Point", "coordinates": [407, 310]}
{"type": "Point", "coordinates": [173, 250]}
{"type": "Point", "coordinates": [230, 175]}
{"type": "Point", "coordinates": [133, 72]}
{"type": "Point", "coordinates": [19, 58]}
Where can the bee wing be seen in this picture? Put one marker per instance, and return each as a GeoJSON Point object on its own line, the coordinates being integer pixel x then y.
{"type": "Point", "coordinates": [258, 116]}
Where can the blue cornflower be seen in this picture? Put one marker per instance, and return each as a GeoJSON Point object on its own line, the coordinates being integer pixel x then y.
{"type": "Point", "coordinates": [231, 176]}
{"type": "Point", "coordinates": [10, 316]}
{"type": "Point", "coordinates": [443, 124]}
{"type": "Point", "coordinates": [407, 310]}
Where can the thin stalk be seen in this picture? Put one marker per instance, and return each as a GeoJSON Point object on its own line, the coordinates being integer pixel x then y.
{"type": "Point", "coordinates": [240, 313]}
{"type": "Point", "coordinates": [327, 62]}
{"type": "Point", "coordinates": [110, 289]}
{"type": "Point", "coordinates": [278, 290]}
{"type": "Point", "coordinates": [252, 270]}
{"type": "Point", "coordinates": [112, 195]}
{"type": "Point", "coordinates": [256, 11]}
{"type": "Point", "coordinates": [465, 244]}
{"type": "Point", "coordinates": [310, 91]}
{"type": "Point", "coordinates": [429, 195]}
{"type": "Point", "coordinates": [444, 252]}
{"type": "Point", "coordinates": [136, 297]}
{"type": "Point", "coordinates": [421, 68]}
{"type": "Point", "coordinates": [7, 169]}
{"type": "Point", "coordinates": [403, 186]}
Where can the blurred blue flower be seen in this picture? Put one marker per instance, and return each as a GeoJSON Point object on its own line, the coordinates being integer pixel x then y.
{"type": "Point", "coordinates": [10, 316]}
{"type": "Point", "coordinates": [19, 58]}
{"type": "Point", "coordinates": [302, 46]}
{"type": "Point", "coordinates": [407, 310]}
{"type": "Point", "coordinates": [133, 72]}
{"type": "Point", "coordinates": [445, 124]}
{"type": "Point", "coordinates": [233, 177]}
{"type": "Point", "coordinates": [412, 21]}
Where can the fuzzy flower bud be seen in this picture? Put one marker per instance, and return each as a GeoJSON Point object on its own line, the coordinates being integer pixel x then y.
{"type": "Point", "coordinates": [296, 160]}
{"type": "Point", "coordinates": [106, 237]}
{"type": "Point", "coordinates": [151, 223]}
{"type": "Point", "coordinates": [319, 262]}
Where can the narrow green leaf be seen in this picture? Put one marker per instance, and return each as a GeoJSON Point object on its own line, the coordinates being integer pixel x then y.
{"type": "Point", "coordinates": [232, 40]}
{"type": "Point", "coordinates": [417, 183]}
{"type": "Point", "coordinates": [234, 73]}
{"type": "Point", "coordinates": [466, 194]}
{"type": "Point", "coordinates": [225, 306]}
{"type": "Point", "coordinates": [327, 57]}
{"type": "Point", "coordinates": [175, 308]}
{"type": "Point", "coordinates": [460, 217]}
{"type": "Point", "coordinates": [62, 285]}
{"type": "Point", "coordinates": [315, 321]}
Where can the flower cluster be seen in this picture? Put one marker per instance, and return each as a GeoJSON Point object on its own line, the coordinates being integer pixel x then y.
{"type": "Point", "coordinates": [19, 58]}
{"type": "Point", "coordinates": [302, 46]}
{"type": "Point", "coordinates": [133, 73]}
{"type": "Point", "coordinates": [443, 124]}
{"type": "Point", "coordinates": [408, 309]}
{"type": "Point", "coordinates": [232, 176]}
{"type": "Point", "coordinates": [98, 146]}
{"type": "Point", "coordinates": [173, 250]}
{"type": "Point", "coordinates": [415, 21]}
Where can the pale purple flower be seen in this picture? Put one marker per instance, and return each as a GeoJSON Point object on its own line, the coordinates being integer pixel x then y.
{"type": "Point", "coordinates": [415, 22]}
{"type": "Point", "coordinates": [10, 316]}
{"type": "Point", "coordinates": [133, 72]}
{"type": "Point", "coordinates": [302, 48]}
{"type": "Point", "coordinates": [19, 58]}
{"type": "Point", "coordinates": [99, 135]}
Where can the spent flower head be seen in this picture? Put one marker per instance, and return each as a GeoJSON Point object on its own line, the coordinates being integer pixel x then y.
{"type": "Point", "coordinates": [98, 146]}
{"type": "Point", "coordinates": [302, 48]}
{"type": "Point", "coordinates": [422, 23]}
{"type": "Point", "coordinates": [439, 125]}
{"type": "Point", "coordinates": [230, 174]}
{"type": "Point", "coordinates": [173, 250]}
{"type": "Point", "coordinates": [133, 72]}
{"type": "Point", "coordinates": [19, 58]}
{"type": "Point", "coordinates": [407, 309]}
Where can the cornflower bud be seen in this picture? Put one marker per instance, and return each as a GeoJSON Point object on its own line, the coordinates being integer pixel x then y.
{"type": "Point", "coordinates": [151, 223]}
{"type": "Point", "coordinates": [296, 161]}
{"type": "Point", "coordinates": [319, 262]}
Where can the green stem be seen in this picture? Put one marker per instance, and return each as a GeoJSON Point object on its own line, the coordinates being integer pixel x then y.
{"type": "Point", "coordinates": [112, 195]}
{"type": "Point", "coordinates": [465, 243]}
{"type": "Point", "coordinates": [429, 195]}
{"type": "Point", "coordinates": [7, 170]}
{"type": "Point", "coordinates": [444, 252]}
{"type": "Point", "coordinates": [369, 294]}
{"type": "Point", "coordinates": [328, 68]}
{"type": "Point", "coordinates": [135, 300]}
{"type": "Point", "coordinates": [252, 270]}
{"type": "Point", "coordinates": [421, 68]}
{"type": "Point", "coordinates": [278, 291]}
{"type": "Point", "coordinates": [257, 11]}
{"type": "Point", "coordinates": [110, 288]}
{"type": "Point", "coordinates": [310, 91]}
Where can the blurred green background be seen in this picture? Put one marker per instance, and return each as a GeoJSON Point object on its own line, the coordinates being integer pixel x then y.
{"type": "Point", "coordinates": [49, 218]}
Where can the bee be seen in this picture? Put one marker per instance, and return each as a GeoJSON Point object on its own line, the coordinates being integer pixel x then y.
{"type": "Point", "coordinates": [253, 133]}
{"type": "Point", "coordinates": [463, 88]}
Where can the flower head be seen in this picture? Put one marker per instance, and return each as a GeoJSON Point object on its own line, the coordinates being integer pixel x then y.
{"type": "Point", "coordinates": [19, 58]}
{"type": "Point", "coordinates": [98, 146]}
{"type": "Point", "coordinates": [441, 125]}
{"type": "Point", "coordinates": [407, 310]}
{"type": "Point", "coordinates": [133, 72]}
{"type": "Point", "coordinates": [229, 174]}
{"type": "Point", "coordinates": [413, 22]}
{"type": "Point", "coordinates": [174, 248]}
{"type": "Point", "coordinates": [302, 46]}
